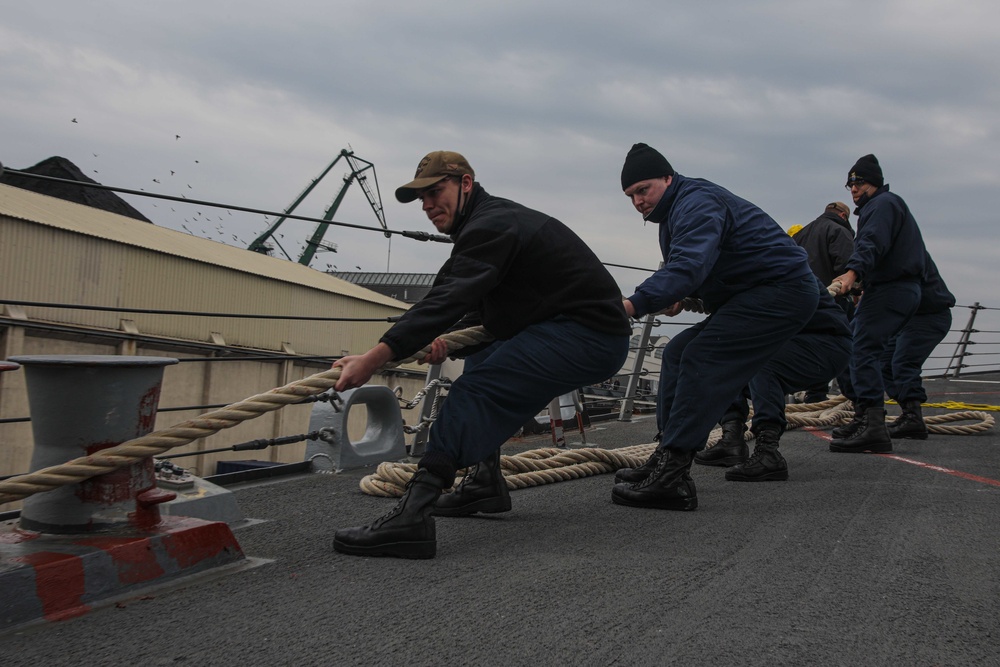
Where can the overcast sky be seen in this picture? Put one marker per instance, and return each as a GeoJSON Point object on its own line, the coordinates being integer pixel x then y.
{"type": "Point", "coordinates": [773, 99]}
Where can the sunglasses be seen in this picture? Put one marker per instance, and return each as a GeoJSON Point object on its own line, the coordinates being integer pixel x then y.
{"type": "Point", "coordinates": [855, 183]}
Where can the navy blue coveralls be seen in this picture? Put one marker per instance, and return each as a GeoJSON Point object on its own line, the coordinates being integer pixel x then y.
{"type": "Point", "coordinates": [889, 259]}
{"type": "Point", "coordinates": [751, 276]}
{"type": "Point", "coordinates": [820, 351]}
{"type": "Point", "coordinates": [907, 351]}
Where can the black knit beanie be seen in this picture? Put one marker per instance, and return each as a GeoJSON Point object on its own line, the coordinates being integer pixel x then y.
{"type": "Point", "coordinates": [868, 169]}
{"type": "Point", "coordinates": [642, 163]}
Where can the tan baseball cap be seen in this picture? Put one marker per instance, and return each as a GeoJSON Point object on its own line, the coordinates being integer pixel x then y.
{"type": "Point", "coordinates": [840, 207]}
{"type": "Point", "coordinates": [434, 167]}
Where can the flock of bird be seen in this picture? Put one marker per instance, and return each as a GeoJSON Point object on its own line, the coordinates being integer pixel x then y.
{"type": "Point", "coordinates": [200, 221]}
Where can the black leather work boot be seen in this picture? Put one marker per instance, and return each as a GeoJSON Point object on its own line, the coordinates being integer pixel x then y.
{"type": "Point", "coordinates": [766, 464]}
{"type": "Point", "coordinates": [483, 489]}
{"type": "Point", "coordinates": [910, 424]}
{"type": "Point", "coordinates": [730, 450]}
{"type": "Point", "coordinates": [870, 436]}
{"type": "Point", "coordinates": [639, 473]}
{"type": "Point", "coordinates": [407, 531]}
{"type": "Point", "coordinates": [668, 487]}
{"type": "Point", "coordinates": [845, 430]}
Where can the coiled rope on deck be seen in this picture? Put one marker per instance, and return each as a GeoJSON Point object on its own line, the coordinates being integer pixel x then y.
{"type": "Point", "coordinates": [154, 444]}
{"type": "Point", "coordinates": [531, 468]}
{"type": "Point", "coordinates": [935, 423]}
{"type": "Point", "coordinates": [839, 410]}
{"type": "Point", "coordinates": [549, 465]}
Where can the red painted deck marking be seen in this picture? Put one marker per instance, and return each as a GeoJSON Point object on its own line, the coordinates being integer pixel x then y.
{"type": "Point", "coordinates": [197, 544]}
{"type": "Point", "coordinates": [59, 584]}
{"type": "Point", "coordinates": [948, 471]}
{"type": "Point", "coordinates": [134, 558]}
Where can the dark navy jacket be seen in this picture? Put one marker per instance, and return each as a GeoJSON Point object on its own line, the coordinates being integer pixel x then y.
{"type": "Point", "coordinates": [515, 267]}
{"type": "Point", "coordinates": [934, 294]}
{"type": "Point", "coordinates": [888, 245]}
{"type": "Point", "coordinates": [714, 245]}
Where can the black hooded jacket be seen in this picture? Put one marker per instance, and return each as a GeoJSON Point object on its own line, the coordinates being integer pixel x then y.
{"type": "Point", "coordinates": [515, 267]}
{"type": "Point", "coordinates": [829, 242]}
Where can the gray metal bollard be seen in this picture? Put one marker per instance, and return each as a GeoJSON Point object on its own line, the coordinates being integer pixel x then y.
{"type": "Point", "coordinates": [81, 404]}
{"type": "Point", "coordinates": [383, 438]}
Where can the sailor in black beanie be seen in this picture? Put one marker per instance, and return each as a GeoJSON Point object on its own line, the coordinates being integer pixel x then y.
{"type": "Point", "coordinates": [867, 170]}
{"type": "Point", "coordinates": [890, 259]}
{"type": "Point", "coordinates": [756, 283]}
{"type": "Point", "coordinates": [643, 162]}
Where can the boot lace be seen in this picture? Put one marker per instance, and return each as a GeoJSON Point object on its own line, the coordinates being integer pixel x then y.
{"type": "Point", "coordinates": [661, 463]}
{"type": "Point", "coordinates": [755, 458]}
{"type": "Point", "coordinates": [767, 443]}
{"type": "Point", "coordinates": [397, 508]}
{"type": "Point", "coordinates": [470, 473]}
{"type": "Point", "coordinates": [388, 515]}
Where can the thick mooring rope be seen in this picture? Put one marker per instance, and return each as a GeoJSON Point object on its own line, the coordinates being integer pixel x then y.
{"type": "Point", "coordinates": [532, 468]}
{"type": "Point", "coordinates": [550, 465]}
{"type": "Point", "coordinates": [154, 444]}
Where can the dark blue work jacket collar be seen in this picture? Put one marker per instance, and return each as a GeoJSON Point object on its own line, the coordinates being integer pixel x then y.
{"type": "Point", "coordinates": [867, 198]}
{"type": "Point", "coordinates": [661, 211]}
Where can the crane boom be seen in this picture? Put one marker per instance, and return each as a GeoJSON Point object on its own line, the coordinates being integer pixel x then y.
{"type": "Point", "coordinates": [315, 242]}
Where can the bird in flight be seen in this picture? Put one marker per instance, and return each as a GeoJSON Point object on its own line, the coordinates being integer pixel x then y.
{"type": "Point", "coordinates": [155, 181]}
{"type": "Point", "coordinates": [176, 137]}
{"type": "Point", "coordinates": [73, 121]}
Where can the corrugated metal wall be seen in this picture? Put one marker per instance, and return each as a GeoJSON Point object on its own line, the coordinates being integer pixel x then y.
{"type": "Point", "coordinates": [45, 264]}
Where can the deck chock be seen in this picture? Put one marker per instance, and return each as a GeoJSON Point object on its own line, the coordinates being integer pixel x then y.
{"type": "Point", "coordinates": [382, 440]}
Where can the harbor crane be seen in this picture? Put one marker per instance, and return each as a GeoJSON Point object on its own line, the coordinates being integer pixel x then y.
{"type": "Point", "coordinates": [315, 243]}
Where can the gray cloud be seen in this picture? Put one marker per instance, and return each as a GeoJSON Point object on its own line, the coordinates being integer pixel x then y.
{"type": "Point", "coordinates": [774, 100]}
